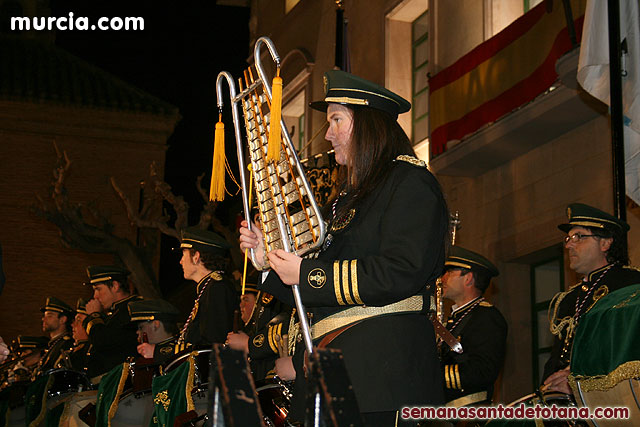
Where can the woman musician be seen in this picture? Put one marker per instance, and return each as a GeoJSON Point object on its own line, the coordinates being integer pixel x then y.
{"type": "Point", "coordinates": [386, 240]}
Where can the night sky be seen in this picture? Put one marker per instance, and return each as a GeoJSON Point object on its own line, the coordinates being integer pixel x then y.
{"type": "Point", "coordinates": [177, 57]}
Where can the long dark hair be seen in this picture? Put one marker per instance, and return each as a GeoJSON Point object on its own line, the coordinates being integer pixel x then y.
{"type": "Point", "coordinates": [376, 140]}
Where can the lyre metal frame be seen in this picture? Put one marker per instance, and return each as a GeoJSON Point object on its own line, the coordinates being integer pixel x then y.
{"type": "Point", "coordinates": [236, 99]}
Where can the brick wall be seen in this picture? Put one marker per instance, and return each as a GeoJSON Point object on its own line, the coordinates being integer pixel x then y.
{"type": "Point", "coordinates": [100, 145]}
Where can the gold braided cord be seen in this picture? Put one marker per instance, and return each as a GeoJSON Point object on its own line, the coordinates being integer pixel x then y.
{"type": "Point", "coordinates": [292, 333]}
{"type": "Point", "coordinates": [227, 167]}
{"type": "Point", "coordinates": [626, 371]}
{"type": "Point", "coordinates": [189, 386]}
{"type": "Point", "coordinates": [114, 405]}
{"type": "Point", "coordinates": [554, 326]}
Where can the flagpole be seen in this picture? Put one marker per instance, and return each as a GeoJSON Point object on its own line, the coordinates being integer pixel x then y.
{"type": "Point", "coordinates": [339, 35]}
{"type": "Point", "coordinates": [617, 129]}
{"type": "Point", "coordinates": [617, 123]}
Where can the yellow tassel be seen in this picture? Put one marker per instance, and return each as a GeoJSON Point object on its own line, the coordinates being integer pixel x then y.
{"type": "Point", "coordinates": [275, 131]}
{"type": "Point", "coordinates": [217, 190]}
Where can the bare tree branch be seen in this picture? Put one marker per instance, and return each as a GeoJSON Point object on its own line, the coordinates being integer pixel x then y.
{"type": "Point", "coordinates": [76, 232]}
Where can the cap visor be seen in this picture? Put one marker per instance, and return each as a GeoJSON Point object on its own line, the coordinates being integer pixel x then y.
{"type": "Point", "coordinates": [319, 105]}
{"type": "Point", "coordinates": [565, 227]}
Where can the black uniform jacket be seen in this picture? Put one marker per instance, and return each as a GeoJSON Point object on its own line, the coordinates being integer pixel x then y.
{"type": "Point", "coordinates": [55, 349]}
{"type": "Point", "coordinates": [164, 350]}
{"type": "Point", "coordinates": [214, 317]}
{"type": "Point", "coordinates": [80, 358]}
{"type": "Point", "coordinates": [482, 331]}
{"type": "Point", "coordinates": [385, 251]}
{"type": "Point", "coordinates": [112, 336]}
{"type": "Point", "coordinates": [270, 319]}
{"type": "Point", "coordinates": [563, 307]}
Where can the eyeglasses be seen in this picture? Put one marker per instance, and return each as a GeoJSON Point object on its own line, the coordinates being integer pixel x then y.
{"type": "Point", "coordinates": [575, 238]}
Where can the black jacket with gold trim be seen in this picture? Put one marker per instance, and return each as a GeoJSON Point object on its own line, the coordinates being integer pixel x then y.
{"type": "Point", "coordinates": [482, 331]}
{"type": "Point", "coordinates": [80, 358]}
{"type": "Point", "coordinates": [563, 308]}
{"type": "Point", "coordinates": [112, 336]}
{"type": "Point", "coordinates": [55, 349]}
{"type": "Point", "coordinates": [384, 251]}
{"type": "Point", "coordinates": [270, 320]}
{"type": "Point", "coordinates": [164, 350]}
{"type": "Point", "coordinates": [214, 316]}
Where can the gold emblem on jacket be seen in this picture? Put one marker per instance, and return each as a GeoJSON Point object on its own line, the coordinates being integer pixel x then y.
{"type": "Point", "coordinates": [317, 278]}
{"type": "Point", "coordinates": [258, 340]}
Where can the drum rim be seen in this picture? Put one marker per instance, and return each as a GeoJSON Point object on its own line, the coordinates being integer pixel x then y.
{"type": "Point", "coordinates": [175, 361]}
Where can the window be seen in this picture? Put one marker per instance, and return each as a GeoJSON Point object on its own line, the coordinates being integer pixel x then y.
{"type": "Point", "coordinates": [407, 50]}
{"type": "Point", "coordinates": [547, 279]}
{"type": "Point", "coordinates": [293, 113]}
{"type": "Point", "coordinates": [420, 86]}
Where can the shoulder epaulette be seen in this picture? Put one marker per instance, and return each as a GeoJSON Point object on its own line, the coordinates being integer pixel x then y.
{"type": "Point", "coordinates": [412, 160]}
{"type": "Point", "coordinates": [485, 304]}
{"type": "Point", "coordinates": [631, 267]}
{"type": "Point", "coordinates": [572, 287]}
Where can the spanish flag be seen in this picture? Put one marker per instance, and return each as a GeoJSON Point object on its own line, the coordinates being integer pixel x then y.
{"type": "Point", "coordinates": [501, 74]}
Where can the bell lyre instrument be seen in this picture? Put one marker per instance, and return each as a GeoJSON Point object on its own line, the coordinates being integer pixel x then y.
{"type": "Point", "coordinates": [437, 318]}
{"type": "Point", "coordinates": [288, 213]}
{"type": "Point", "coordinates": [455, 226]}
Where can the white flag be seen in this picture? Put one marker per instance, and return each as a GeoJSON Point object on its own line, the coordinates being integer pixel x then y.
{"type": "Point", "coordinates": [593, 75]}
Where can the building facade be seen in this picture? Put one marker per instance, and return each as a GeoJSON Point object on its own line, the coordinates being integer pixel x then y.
{"type": "Point", "coordinates": [510, 180]}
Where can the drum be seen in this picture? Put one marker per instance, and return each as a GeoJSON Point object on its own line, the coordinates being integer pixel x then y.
{"type": "Point", "coordinates": [200, 391]}
{"type": "Point", "coordinates": [203, 367]}
{"type": "Point", "coordinates": [73, 404]}
{"type": "Point", "coordinates": [135, 407]}
{"type": "Point", "coordinates": [141, 376]}
{"type": "Point", "coordinates": [275, 401]}
{"type": "Point", "coordinates": [605, 358]}
{"type": "Point", "coordinates": [543, 399]}
{"type": "Point", "coordinates": [65, 382]}
{"type": "Point", "coordinates": [624, 394]}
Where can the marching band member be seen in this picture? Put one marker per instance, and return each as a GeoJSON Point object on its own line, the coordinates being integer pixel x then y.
{"type": "Point", "coordinates": [204, 261]}
{"type": "Point", "coordinates": [111, 333]}
{"type": "Point", "coordinates": [480, 327]}
{"type": "Point", "coordinates": [596, 247]}
{"type": "Point", "coordinates": [386, 240]}
{"type": "Point", "coordinates": [157, 321]}
{"type": "Point", "coordinates": [56, 322]}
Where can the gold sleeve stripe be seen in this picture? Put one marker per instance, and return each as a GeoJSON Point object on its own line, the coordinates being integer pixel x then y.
{"type": "Point", "coordinates": [458, 382]}
{"type": "Point", "coordinates": [271, 338]}
{"type": "Point", "coordinates": [452, 374]}
{"type": "Point", "coordinates": [447, 377]}
{"type": "Point", "coordinates": [94, 321]}
{"type": "Point", "coordinates": [279, 333]}
{"type": "Point", "coordinates": [452, 377]}
{"type": "Point", "coordinates": [345, 282]}
{"type": "Point", "coordinates": [336, 282]}
{"type": "Point", "coordinates": [354, 281]}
